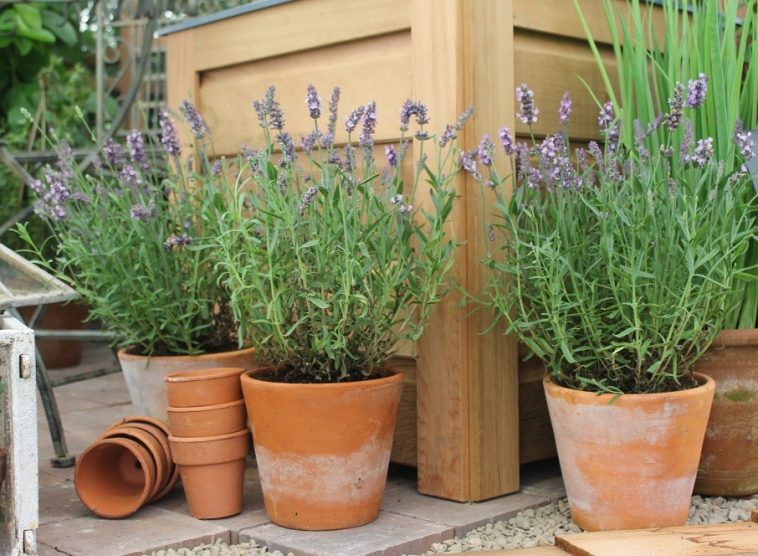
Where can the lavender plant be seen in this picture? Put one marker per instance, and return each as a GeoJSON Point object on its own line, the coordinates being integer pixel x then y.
{"type": "Point", "coordinates": [329, 254]}
{"type": "Point", "coordinates": [617, 270]}
{"type": "Point", "coordinates": [132, 239]}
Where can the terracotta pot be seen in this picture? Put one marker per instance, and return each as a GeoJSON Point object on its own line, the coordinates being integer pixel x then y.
{"type": "Point", "coordinates": [322, 450]}
{"type": "Point", "coordinates": [160, 430]}
{"type": "Point", "coordinates": [204, 388]}
{"type": "Point", "coordinates": [58, 354]}
{"type": "Point", "coordinates": [207, 420]}
{"type": "Point", "coordinates": [629, 463]}
{"type": "Point", "coordinates": [145, 377]}
{"type": "Point", "coordinates": [114, 477]}
{"type": "Point", "coordinates": [163, 464]}
{"type": "Point", "coordinates": [729, 462]}
{"type": "Point", "coordinates": [212, 470]}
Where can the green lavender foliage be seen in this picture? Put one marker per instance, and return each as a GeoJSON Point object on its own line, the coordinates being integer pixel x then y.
{"type": "Point", "coordinates": [713, 40]}
{"type": "Point", "coordinates": [328, 262]}
{"type": "Point", "coordinates": [139, 250]}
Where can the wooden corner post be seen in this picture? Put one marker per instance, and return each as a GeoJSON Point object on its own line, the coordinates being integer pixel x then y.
{"type": "Point", "coordinates": [468, 420]}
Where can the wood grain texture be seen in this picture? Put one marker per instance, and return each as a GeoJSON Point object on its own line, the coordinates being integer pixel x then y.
{"type": "Point", "coordinates": [369, 69]}
{"type": "Point", "coordinates": [692, 540]}
{"type": "Point", "coordinates": [181, 77]}
{"type": "Point", "coordinates": [754, 516]}
{"type": "Point", "coordinates": [292, 27]}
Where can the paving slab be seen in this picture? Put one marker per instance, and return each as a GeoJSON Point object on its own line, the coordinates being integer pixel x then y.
{"type": "Point", "coordinates": [401, 497]}
{"type": "Point", "coordinates": [95, 419]}
{"type": "Point", "coordinates": [148, 530]}
{"type": "Point", "coordinates": [389, 535]}
{"type": "Point", "coordinates": [60, 503]}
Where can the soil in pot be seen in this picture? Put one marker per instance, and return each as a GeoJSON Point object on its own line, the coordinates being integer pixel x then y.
{"type": "Point", "coordinates": [729, 462]}
{"type": "Point", "coordinates": [212, 470]}
{"type": "Point", "coordinates": [205, 387]}
{"type": "Point", "coordinates": [324, 465]}
{"type": "Point", "coordinates": [629, 463]}
{"type": "Point", "coordinates": [114, 477]}
{"type": "Point", "coordinates": [207, 420]}
{"type": "Point", "coordinates": [145, 376]}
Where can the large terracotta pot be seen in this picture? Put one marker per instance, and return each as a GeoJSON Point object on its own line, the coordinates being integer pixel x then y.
{"type": "Point", "coordinates": [58, 354]}
{"type": "Point", "coordinates": [145, 376]}
{"type": "Point", "coordinates": [322, 449]}
{"type": "Point", "coordinates": [729, 462]}
{"type": "Point", "coordinates": [629, 463]}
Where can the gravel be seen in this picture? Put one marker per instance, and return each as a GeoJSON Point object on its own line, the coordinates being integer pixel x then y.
{"type": "Point", "coordinates": [530, 528]}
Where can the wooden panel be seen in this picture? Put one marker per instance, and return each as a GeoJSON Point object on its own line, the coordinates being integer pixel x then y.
{"type": "Point", "coordinates": [558, 17]}
{"type": "Point", "coordinates": [551, 66]}
{"type": "Point", "coordinates": [363, 69]}
{"type": "Point", "coordinates": [692, 540]}
{"type": "Point", "coordinates": [754, 516]}
{"type": "Point", "coordinates": [467, 382]}
{"type": "Point", "coordinates": [181, 78]}
{"type": "Point", "coordinates": [536, 551]}
{"type": "Point", "coordinates": [404, 443]}
{"type": "Point", "coordinates": [295, 26]}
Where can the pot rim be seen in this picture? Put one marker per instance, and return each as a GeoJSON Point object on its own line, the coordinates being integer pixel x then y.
{"type": "Point", "coordinates": [217, 438]}
{"type": "Point", "coordinates": [204, 375]}
{"type": "Point", "coordinates": [706, 383]}
{"type": "Point", "coordinates": [396, 376]}
{"type": "Point", "coordinates": [122, 354]}
{"type": "Point", "coordinates": [214, 407]}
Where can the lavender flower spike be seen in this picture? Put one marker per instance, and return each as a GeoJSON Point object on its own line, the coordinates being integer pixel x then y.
{"type": "Point", "coordinates": [744, 141]}
{"type": "Point", "coordinates": [307, 199]}
{"type": "Point", "coordinates": [411, 108]}
{"type": "Point", "coordinates": [468, 163]}
{"type": "Point", "coordinates": [314, 102]}
{"type": "Point", "coordinates": [136, 143]}
{"type": "Point", "coordinates": [351, 122]}
{"type": "Point", "coordinates": [369, 126]}
{"type": "Point", "coordinates": [696, 91]}
{"type": "Point", "coordinates": [169, 138]}
{"type": "Point", "coordinates": [142, 212]}
{"type": "Point", "coordinates": [676, 103]}
{"type": "Point", "coordinates": [391, 154]}
{"type": "Point", "coordinates": [703, 152]}
{"type": "Point", "coordinates": [507, 140]}
{"type": "Point", "coordinates": [331, 128]}
{"type": "Point", "coordinates": [529, 111]}
{"type": "Point", "coordinates": [564, 109]}
{"type": "Point", "coordinates": [484, 151]}
{"type": "Point", "coordinates": [195, 120]}
{"type": "Point", "coordinates": [113, 153]}
{"type": "Point", "coordinates": [268, 110]}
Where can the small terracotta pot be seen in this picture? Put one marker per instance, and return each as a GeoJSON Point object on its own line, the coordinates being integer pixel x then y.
{"type": "Point", "coordinates": [161, 432]}
{"type": "Point", "coordinates": [629, 463]}
{"type": "Point", "coordinates": [322, 450]}
{"type": "Point", "coordinates": [114, 477]}
{"type": "Point", "coordinates": [729, 462]}
{"type": "Point", "coordinates": [162, 464]}
{"type": "Point", "coordinates": [207, 420]}
{"type": "Point", "coordinates": [212, 470]}
{"type": "Point", "coordinates": [145, 375]}
{"type": "Point", "coordinates": [204, 388]}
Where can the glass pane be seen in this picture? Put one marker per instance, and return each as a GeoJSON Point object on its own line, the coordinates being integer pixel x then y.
{"type": "Point", "coordinates": [22, 283]}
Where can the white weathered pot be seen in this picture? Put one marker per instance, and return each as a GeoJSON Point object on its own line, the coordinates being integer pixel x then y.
{"type": "Point", "coordinates": [145, 376]}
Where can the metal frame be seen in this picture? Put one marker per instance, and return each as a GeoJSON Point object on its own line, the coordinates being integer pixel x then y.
{"type": "Point", "coordinates": [22, 479]}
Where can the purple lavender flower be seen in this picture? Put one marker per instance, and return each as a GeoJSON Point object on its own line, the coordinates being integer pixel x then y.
{"type": "Point", "coordinates": [422, 135]}
{"type": "Point", "coordinates": [484, 151]}
{"type": "Point", "coordinates": [308, 142]}
{"type": "Point", "coordinates": [349, 166]}
{"type": "Point", "coordinates": [529, 111]}
{"type": "Point", "coordinates": [413, 108]}
{"type": "Point", "coordinates": [334, 158]}
{"type": "Point", "coordinates": [534, 178]}
{"type": "Point", "coordinates": [447, 135]}
{"type": "Point", "coordinates": [175, 241]}
{"type": "Point", "coordinates": [288, 148]}
{"type": "Point", "coordinates": [169, 137]}
{"type": "Point", "coordinates": [195, 120]}
{"type": "Point", "coordinates": [565, 108]}
{"type": "Point", "coordinates": [269, 111]}
{"type": "Point", "coordinates": [142, 212]}
{"type": "Point", "coordinates": [113, 153]}
{"type": "Point", "coordinates": [369, 126]}
{"type": "Point", "coordinates": [129, 177]}
{"type": "Point", "coordinates": [396, 199]}
{"type": "Point", "coordinates": [490, 232]}
{"type": "Point", "coordinates": [688, 139]}
{"type": "Point", "coordinates": [507, 140]}
{"type": "Point", "coordinates": [65, 163]}
{"type": "Point", "coordinates": [463, 118]}
{"type": "Point", "coordinates": [313, 101]}
{"type": "Point", "coordinates": [744, 141]}
{"type": "Point", "coordinates": [216, 168]}
{"type": "Point", "coordinates": [58, 213]}
{"type": "Point", "coordinates": [597, 154]}
{"type": "Point", "coordinates": [36, 186]}
{"type": "Point", "coordinates": [391, 154]}
{"type": "Point", "coordinates": [307, 199]}
{"type": "Point", "coordinates": [606, 116]}
{"type": "Point", "coordinates": [405, 210]}
{"type": "Point", "coordinates": [351, 122]}
{"type": "Point", "coordinates": [696, 91]}
{"type": "Point", "coordinates": [609, 126]}
{"type": "Point", "coordinates": [703, 152]}
{"type": "Point", "coordinates": [468, 163]}
{"type": "Point", "coordinates": [136, 143]}
{"type": "Point", "coordinates": [331, 128]}
{"type": "Point", "coordinates": [676, 103]}
{"type": "Point", "coordinates": [639, 141]}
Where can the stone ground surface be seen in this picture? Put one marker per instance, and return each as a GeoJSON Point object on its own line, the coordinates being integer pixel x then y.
{"type": "Point", "coordinates": [409, 522]}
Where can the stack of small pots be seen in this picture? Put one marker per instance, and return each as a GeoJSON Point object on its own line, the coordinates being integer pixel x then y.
{"type": "Point", "coordinates": [128, 466]}
{"type": "Point", "coordinates": [209, 439]}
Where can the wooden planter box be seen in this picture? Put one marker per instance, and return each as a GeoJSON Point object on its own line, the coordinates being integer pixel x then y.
{"type": "Point", "coordinates": [470, 413]}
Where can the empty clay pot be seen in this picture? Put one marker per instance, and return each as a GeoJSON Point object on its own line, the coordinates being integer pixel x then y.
{"type": "Point", "coordinates": [162, 463]}
{"type": "Point", "coordinates": [160, 430]}
{"type": "Point", "coordinates": [208, 387]}
{"type": "Point", "coordinates": [322, 450]}
{"type": "Point", "coordinates": [207, 420]}
{"type": "Point", "coordinates": [212, 470]}
{"type": "Point", "coordinates": [114, 477]}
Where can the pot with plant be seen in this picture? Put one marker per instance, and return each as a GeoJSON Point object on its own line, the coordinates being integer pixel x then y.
{"type": "Point", "coordinates": [618, 271]}
{"type": "Point", "coordinates": [646, 68]}
{"type": "Point", "coordinates": [330, 264]}
{"type": "Point", "coordinates": [133, 239]}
